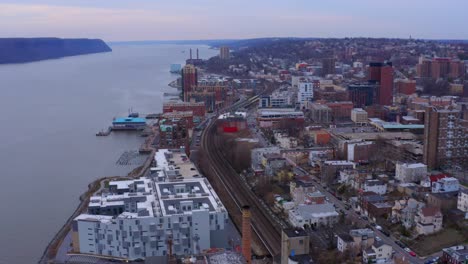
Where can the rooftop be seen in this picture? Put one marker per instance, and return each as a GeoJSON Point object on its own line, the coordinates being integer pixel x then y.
{"type": "Point", "coordinates": [374, 182]}
{"type": "Point", "coordinates": [430, 211]}
{"type": "Point", "coordinates": [159, 195]}
{"type": "Point", "coordinates": [316, 210]}
{"type": "Point", "coordinates": [129, 120]}
{"type": "Point", "coordinates": [295, 232]}
{"type": "Point", "coordinates": [362, 232]}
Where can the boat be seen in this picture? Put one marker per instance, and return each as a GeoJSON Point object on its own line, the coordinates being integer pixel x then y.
{"type": "Point", "coordinates": [129, 123]}
{"type": "Point", "coordinates": [175, 68]}
{"type": "Point", "coordinates": [104, 133]}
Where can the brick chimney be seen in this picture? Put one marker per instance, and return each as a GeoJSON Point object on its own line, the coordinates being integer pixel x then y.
{"type": "Point", "coordinates": [246, 234]}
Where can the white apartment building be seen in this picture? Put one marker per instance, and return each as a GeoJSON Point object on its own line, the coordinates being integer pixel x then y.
{"type": "Point", "coordinates": [410, 172]}
{"type": "Point", "coordinates": [378, 253]}
{"type": "Point", "coordinates": [305, 93]}
{"type": "Point", "coordinates": [448, 184]}
{"type": "Point", "coordinates": [462, 203]}
{"type": "Point", "coordinates": [136, 219]}
{"type": "Point", "coordinates": [313, 215]}
{"type": "Point", "coordinates": [359, 116]}
{"type": "Point", "coordinates": [376, 186]}
{"type": "Point", "coordinates": [428, 220]}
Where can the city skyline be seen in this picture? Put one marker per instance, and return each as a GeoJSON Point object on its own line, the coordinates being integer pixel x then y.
{"type": "Point", "coordinates": [124, 20]}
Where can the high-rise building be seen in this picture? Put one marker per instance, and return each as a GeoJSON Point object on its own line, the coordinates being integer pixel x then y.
{"type": "Point", "coordinates": [362, 94]}
{"type": "Point", "coordinates": [328, 66]}
{"type": "Point", "coordinates": [189, 79]}
{"type": "Point", "coordinates": [382, 73]}
{"type": "Point", "coordinates": [445, 138]}
{"type": "Point", "coordinates": [305, 93]}
{"type": "Point", "coordinates": [224, 52]}
{"type": "Point", "coordinates": [440, 68]}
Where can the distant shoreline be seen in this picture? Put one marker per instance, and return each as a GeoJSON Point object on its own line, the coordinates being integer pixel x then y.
{"type": "Point", "coordinates": [25, 50]}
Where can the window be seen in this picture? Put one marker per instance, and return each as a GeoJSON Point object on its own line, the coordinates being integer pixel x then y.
{"type": "Point", "coordinates": [301, 242]}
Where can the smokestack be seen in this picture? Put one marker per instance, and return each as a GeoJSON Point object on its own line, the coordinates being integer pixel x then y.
{"type": "Point", "coordinates": [190, 53]}
{"type": "Point", "coordinates": [197, 54]}
{"type": "Point", "coordinates": [246, 234]}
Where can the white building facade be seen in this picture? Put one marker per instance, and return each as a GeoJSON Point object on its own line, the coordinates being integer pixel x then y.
{"type": "Point", "coordinates": [139, 223]}
{"type": "Point", "coordinates": [448, 184]}
{"type": "Point", "coordinates": [462, 202]}
{"type": "Point", "coordinates": [305, 93]}
{"type": "Point", "coordinates": [410, 172]}
{"type": "Point", "coordinates": [313, 215]}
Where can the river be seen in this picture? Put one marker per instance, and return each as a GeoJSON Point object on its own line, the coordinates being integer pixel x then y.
{"type": "Point", "coordinates": [50, 112]}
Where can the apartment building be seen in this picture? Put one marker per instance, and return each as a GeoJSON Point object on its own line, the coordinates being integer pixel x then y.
{"type": "Point", "coordinates": [173, 210]}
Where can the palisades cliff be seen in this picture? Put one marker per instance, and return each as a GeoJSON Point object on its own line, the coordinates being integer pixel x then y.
{"type": "Point", "coordinates": [20, 50]}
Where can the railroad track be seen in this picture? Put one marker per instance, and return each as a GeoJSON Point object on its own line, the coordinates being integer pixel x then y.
{"type": "Point", "coordinates": [265, 228]}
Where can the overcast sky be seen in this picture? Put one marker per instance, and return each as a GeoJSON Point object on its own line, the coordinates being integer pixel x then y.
{"type": "Point", "coordinates": [123, 20]}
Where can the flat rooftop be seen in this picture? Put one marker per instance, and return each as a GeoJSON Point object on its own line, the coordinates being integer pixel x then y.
{"type": "Point", "coordinates": [158, 197]}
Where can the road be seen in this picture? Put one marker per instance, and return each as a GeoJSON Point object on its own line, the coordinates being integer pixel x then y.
{"type": "Point", "coordinates": [361, 222]}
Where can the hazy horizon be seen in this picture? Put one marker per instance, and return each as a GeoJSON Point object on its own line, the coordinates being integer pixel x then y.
{"type": "Point", "coordinates": [146, 20]}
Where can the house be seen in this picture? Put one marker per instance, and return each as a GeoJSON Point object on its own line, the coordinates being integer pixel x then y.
{"type": "Point", "coordinates": [447, 184]}
{"type": "Point", "coordinates": [455, 255]}
{"type": "Point", "coordinates": [379, 209]}
{"type": "Point", "coordinates": [344, 242]}
{"type": "Point", "coordinates": [313, 215]}
{"type": "Point", "coordinates": [368, 198]}
{"type": "Point", "coordinates": [376, 186]}
{"type": "Point", "coordinates": [299, 193]}
{"type": "Point", "coordinates": [357, 239]}
{"type": "Point", "coordinates": [405, 210]}
{"type": "Point", "coordinates": [409, 189]}
{"type": "Point", "coordinates": [273, 162]}
{"type": "Point", "coordinates": [354, 178]}
{"type": "Point", "coordinates": [406, 172]}
{"type": "Point", "coordinates": [330, 168]}
{"type": "Point", "coordinates": [294, 242]}
{"type": "Point", "coordinates": [317, 156]}
{"type": "Point", "coordinates": [378, 253]}
{"type": "Point", "coordinates": [445, 201]}
{"type": "Point", "coordinates": [257, 155]}
{"type": "Point", "coordinates": [315, 198]}
{"type": "Point", "coordinates": [428, 220]}
{"type": "Point", "coordinates": [462, 203]}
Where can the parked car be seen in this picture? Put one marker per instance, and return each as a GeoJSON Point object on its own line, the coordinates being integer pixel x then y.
{"type": "Point", "coordinates": [378, 238]}
{"type": "Point", "coordinates": [400, 244]}
{"type": "Point", "coordinates": [385, 232]}
{"type": "Point", "coordinates": [407, 249]}
{"type": "Point", "coordinates": [365, 218]}
{"type": "Point", "coordinates": [412, 254]}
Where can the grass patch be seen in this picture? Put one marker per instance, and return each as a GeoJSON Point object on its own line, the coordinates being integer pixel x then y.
{"type": "Point", "coordinates": [426, 245]}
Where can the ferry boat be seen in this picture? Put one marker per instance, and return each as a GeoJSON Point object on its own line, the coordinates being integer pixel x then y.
{"type": "Point", "coordinates": [175, 68]}
{"type": "Point", "coordinates": [129, 123]}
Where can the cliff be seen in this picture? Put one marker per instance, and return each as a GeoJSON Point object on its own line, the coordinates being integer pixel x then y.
{"type": "Point", "coordinates": [19, 50]}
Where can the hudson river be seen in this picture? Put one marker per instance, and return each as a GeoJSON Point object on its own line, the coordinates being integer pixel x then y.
{"type": "Point", "coordinates": [50, 112]}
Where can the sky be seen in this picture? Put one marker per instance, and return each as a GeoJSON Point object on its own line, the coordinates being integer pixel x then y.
{"type": "Point", "coordinates": [132, 20]}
